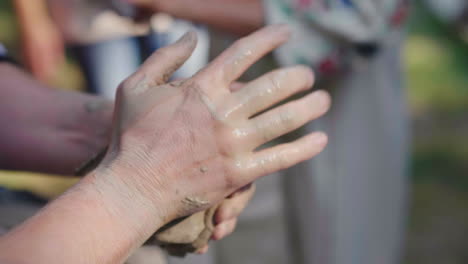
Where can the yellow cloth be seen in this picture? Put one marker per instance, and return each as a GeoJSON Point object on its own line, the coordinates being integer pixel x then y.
{"type": "Point", "coordinates": [43, 185]}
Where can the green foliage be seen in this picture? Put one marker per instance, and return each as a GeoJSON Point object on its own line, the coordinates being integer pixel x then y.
{"type": "Point", "coordinates": [437, 64]}
{"type": "Point", "coordinates": [8, 26]}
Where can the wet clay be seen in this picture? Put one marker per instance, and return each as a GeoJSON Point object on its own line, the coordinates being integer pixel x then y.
{"type": "Point", "coordinates": [194, 202]}
{"type": "Point", "coordinates": [186, 235]}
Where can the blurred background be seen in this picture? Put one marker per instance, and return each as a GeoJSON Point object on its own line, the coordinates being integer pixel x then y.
{"type": "Point", "coordinates": [436, 64]}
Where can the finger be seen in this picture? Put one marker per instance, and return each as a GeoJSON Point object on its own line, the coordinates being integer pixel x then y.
{"type": "Point", "coordinates": [203, 250]}
{"type": "Point", "coordinates": [233, 62]}
{"type": "Point", "coordinates": [158, 68]}
{"type": "Point", "coordinates": [284, 156]}
{"type": "Point", "coordinates": [269, 89]}
{"type": "Point", "coordinates": [231, 208]}
{"type": "Point", "coordinates": [224, 229]}
{"type": "Point", "coordinates": [286, 118]}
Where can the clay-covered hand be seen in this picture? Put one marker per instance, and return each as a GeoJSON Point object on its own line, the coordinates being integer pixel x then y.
{"type": "Point", "coordinates": [227, 214]}
{"type": "Point", "coordinates": [189, 144]}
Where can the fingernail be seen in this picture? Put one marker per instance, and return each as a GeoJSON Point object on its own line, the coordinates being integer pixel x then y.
{"type": "Point", "coordinates": [307, 73]}
{"type": "Point", "coordinates": [189, 36]}
{"type": "Point", "coordinates": [320, 138]}
{"type": "Point", "coordinates": [323, 98]}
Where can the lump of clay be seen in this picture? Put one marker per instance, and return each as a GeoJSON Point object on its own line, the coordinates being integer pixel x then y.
{"type": "Point", "coordinates": [186, 235]}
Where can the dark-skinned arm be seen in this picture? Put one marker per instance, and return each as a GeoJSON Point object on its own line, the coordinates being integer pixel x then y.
{"type": "Point", "coordinates": [45, 129]}
{"type": "Point", "coordinates": [238, 17]}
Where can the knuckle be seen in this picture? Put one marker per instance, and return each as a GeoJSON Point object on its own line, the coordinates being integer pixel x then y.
{"type": "Point", "coordinates": [264, 130]}
{"type": "Point", "coordinates": [287, 117]}
{"type": "Point", "coordinates": [128, 85]}
{"type": "Point", "coordinates": [229, 140]}
{"type": "Point", "coordinates": [207, 81]}
{"type": "Point", "coordinates": [283, 161]}
{"type": "Point", "coordinates": [275, 79]}
{"type": "Point", "coordinates": [234, 174]}
{"type": "Point", "coordinates": [264, 166]}
{"type": "Point", "coordinates": [229, 109]}
{"type": "Point", "coordinates": [241, 172]}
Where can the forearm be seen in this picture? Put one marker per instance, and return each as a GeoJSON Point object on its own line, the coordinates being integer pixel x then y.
{"type": "Point", "coordinates": [239, 17]}
{"type": "Point", "coordinates": [31, 14]}
{"type": "Point", "coordinates": [47, 130]}
{"type": "Point", "coordinates": [94, 222]}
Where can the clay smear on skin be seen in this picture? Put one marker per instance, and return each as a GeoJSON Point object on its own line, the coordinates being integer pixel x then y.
{"type": "Point", "coordinates": [194, 202]}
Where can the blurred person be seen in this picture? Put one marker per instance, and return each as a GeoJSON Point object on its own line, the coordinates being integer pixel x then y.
{"type": "Point", "coordinates": [43, 46]}
{"type": "Point", "coordinates": [110, 41]}
{"type": "Point", "coordinates": [349, 205]}
{"type": "Point", "coordinates": [167, 158]}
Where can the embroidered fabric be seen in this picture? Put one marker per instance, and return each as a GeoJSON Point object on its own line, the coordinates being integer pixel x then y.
{"type": "Point", "coordinates": [327, 32]}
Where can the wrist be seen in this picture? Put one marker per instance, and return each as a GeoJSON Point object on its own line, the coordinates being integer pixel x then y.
{"type": "Point", "coordinates": [96, 221]}
{"type": "Point", "coordinates": [141, 208]}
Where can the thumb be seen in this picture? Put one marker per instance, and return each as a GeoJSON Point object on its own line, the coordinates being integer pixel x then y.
{"type": "Point", "coordinates": [160, 66]}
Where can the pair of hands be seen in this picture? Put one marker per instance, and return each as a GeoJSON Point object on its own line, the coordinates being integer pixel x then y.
{"type": "Point", "coordinates": [176, 148]}
{"type": "Point", "coordinates": [198, 136]}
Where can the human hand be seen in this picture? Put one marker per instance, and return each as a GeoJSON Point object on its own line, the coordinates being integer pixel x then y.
{"type": "Point", "coordinates": [189, 144]}
{"type": "Point", "coordinates": [176, 148]}
{"type": "Point", "coordinates": [227, 214]}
